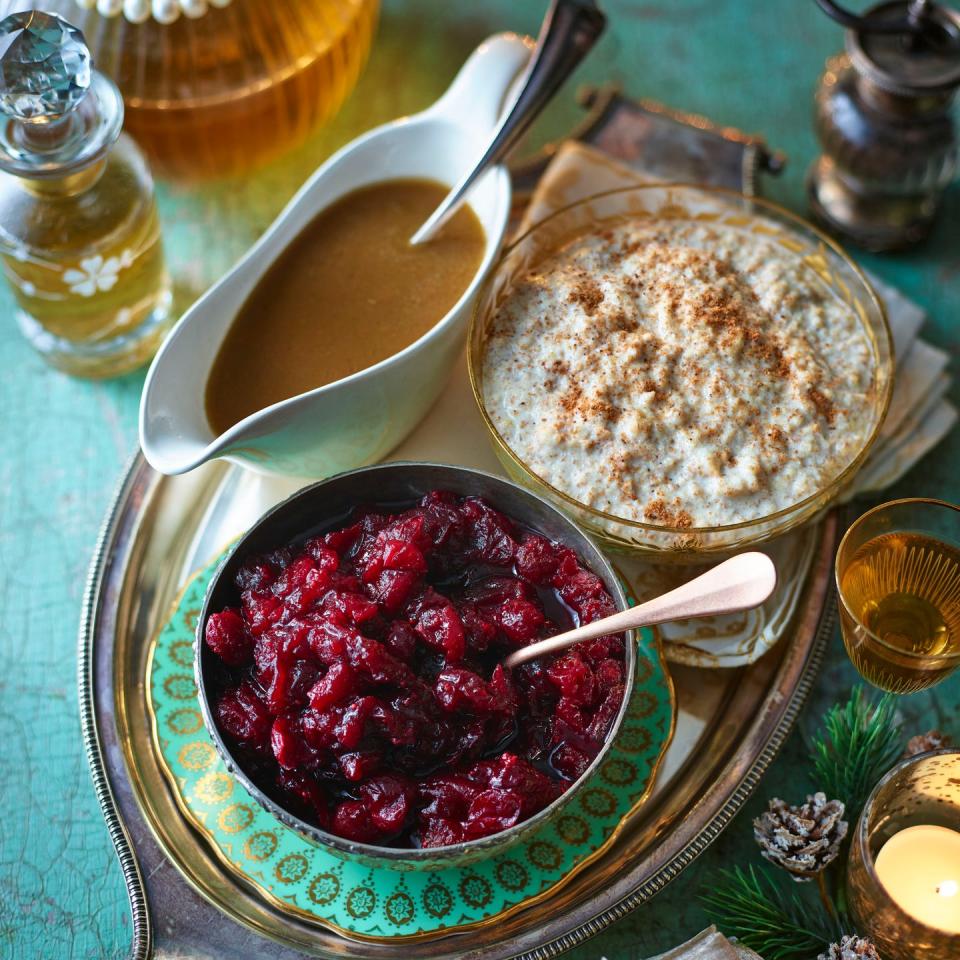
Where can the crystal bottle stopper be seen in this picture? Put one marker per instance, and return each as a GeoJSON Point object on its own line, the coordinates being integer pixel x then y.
{"type": "Point", "coordinates": [44, 67]}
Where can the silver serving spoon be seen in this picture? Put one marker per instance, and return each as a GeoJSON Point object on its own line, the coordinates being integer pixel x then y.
{"type": "Point", "coordinates": [739, 583]}
{"type": "Point", "coordinates": [569, 30]}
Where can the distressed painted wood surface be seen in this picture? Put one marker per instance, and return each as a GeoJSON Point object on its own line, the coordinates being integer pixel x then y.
{"type": "Point", "coordinates": [63, 442]}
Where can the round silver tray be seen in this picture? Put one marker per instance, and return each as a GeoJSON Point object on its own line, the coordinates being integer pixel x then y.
{"type": "Point", "coordinates": [730, 725]}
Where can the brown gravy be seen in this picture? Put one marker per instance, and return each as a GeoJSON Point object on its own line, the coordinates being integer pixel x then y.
{"type": "Point", "coordinates": [348, 292]}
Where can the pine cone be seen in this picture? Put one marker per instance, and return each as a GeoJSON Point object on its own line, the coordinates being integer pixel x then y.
{"type": "Point", "coordinates": [851, 948]}
{"type": "Point", "coordinates": [931, 740]}
{"type": "Point", "coordinates": [801, 839]}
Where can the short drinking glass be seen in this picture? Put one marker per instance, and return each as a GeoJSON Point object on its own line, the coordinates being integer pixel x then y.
{"type": "Point", "coordinates": [898, 578]}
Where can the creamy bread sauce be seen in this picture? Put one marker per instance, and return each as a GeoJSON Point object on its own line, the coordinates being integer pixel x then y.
{"type": "Point", "coordinates": [679, 373]}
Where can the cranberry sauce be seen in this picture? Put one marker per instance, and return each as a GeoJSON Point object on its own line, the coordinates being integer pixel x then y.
{"type": "Point", "coordinates": [360, 681]}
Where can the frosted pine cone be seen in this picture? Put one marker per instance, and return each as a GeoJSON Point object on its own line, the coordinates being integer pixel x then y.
{"type": "Point", "coordinates": [931, 740]}
{"type": "Point", "coordinates": [851, 948]}
{"type": "Point", "coordinates": [801, 839]}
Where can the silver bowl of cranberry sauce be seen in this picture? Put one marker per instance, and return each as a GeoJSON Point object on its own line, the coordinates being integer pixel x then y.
{"type": "Point", "coordinates": [352, 684]}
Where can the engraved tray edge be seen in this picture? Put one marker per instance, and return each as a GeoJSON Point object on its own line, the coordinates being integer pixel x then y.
{"type": "Point", "coordinates": [713, 811]}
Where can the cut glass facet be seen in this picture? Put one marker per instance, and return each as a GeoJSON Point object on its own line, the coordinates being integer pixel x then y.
{"type": "Point", "coordinates": [44, 65]}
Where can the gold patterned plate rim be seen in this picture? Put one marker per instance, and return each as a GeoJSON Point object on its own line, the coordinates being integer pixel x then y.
{"type": "Point", "coordinates": [312, 919]}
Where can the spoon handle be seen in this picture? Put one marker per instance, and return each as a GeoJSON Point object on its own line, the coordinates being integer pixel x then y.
{"type": "Point", "coordinates": [739, 583]}
{"type": "Point", "coordinates": [569, 30]}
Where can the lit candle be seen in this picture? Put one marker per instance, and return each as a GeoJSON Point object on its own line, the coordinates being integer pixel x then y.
{"type": "Point", "coordinates": [920, 868]}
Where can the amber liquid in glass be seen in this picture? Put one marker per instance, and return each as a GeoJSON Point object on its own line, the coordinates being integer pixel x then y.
{"type": "Point", "coordinates": [84, 258]}
{"type": "Point", "coordinates": [217, 94]}
{"type": "Point", "coordinates": [905, 589]}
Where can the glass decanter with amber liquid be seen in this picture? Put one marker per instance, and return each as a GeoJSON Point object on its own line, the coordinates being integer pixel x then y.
{"type": "Point", "coordinates": [898, 573]}
{"type": "Point", "coordinates": [215, 87]}
{"type": "Point", "coordinates": [79, 234]}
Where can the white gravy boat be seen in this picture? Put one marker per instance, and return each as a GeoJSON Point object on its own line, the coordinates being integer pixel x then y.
{"type": "Point", "coordinates": [359, 419]}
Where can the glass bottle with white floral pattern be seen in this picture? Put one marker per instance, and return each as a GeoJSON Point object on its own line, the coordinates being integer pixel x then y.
{"type": "Point", "coordinates": [79, 234]}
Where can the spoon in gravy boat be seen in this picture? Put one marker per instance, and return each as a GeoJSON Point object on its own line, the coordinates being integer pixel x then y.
{"type": "Point", "coordinates": [569, 31]}
{"type": "Point", "coordinates": [362, 416]}
{"type": "Point", "coordinates": [740, 583]}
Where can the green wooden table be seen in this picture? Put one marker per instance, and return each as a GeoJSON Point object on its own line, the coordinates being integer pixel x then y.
{"type": "Point", "coordinates": [64, 442]}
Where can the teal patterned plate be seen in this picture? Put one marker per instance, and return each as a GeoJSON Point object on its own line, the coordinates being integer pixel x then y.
{"type": "Point", "coordinates": [300, 878]}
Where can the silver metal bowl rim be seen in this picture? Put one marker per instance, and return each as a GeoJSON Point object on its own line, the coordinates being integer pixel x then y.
{"type": "Point", "coordinates": [414, 857]}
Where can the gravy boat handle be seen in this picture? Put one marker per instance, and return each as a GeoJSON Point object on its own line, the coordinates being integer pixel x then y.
{"type": "Point", "coordinates": [478, 93]}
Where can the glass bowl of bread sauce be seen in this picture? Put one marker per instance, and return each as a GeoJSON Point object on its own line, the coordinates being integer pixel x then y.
{"type": "Point", "coordinates": [686, 371]}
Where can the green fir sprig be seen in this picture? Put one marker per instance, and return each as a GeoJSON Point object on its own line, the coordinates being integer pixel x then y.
{"type": "Point", "coordinates": [858, 742]}
{"type": "Point", "coordinates": [751, 905]}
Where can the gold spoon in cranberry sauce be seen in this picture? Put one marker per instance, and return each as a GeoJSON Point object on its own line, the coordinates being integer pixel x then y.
{"type": "Point", "coordinates": [740, 583]}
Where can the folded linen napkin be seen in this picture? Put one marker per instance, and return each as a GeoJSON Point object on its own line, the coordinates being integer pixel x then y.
{"type": "Point", "coordinates": [709, 944]}
{"type": "Point", "coordinates": [919, 417]}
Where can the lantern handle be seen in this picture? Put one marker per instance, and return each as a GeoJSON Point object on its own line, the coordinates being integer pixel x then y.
{"type": "Point", "coordinates": [915, 22]}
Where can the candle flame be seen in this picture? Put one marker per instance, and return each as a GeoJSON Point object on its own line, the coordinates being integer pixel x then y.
{"type": "Point", "coordinates": [949, 888]}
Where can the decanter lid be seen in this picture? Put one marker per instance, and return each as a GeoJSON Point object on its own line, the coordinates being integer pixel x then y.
{"type": "Point", "coordinates": [906, 47]}
{"type": "Point", "coordinates": [57, 114]}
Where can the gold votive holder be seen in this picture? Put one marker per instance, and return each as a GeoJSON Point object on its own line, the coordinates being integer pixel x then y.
{"type": "Point", "coordinates": [898, 586]}
{"type": "Point", "coordinates": [920, 792]}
